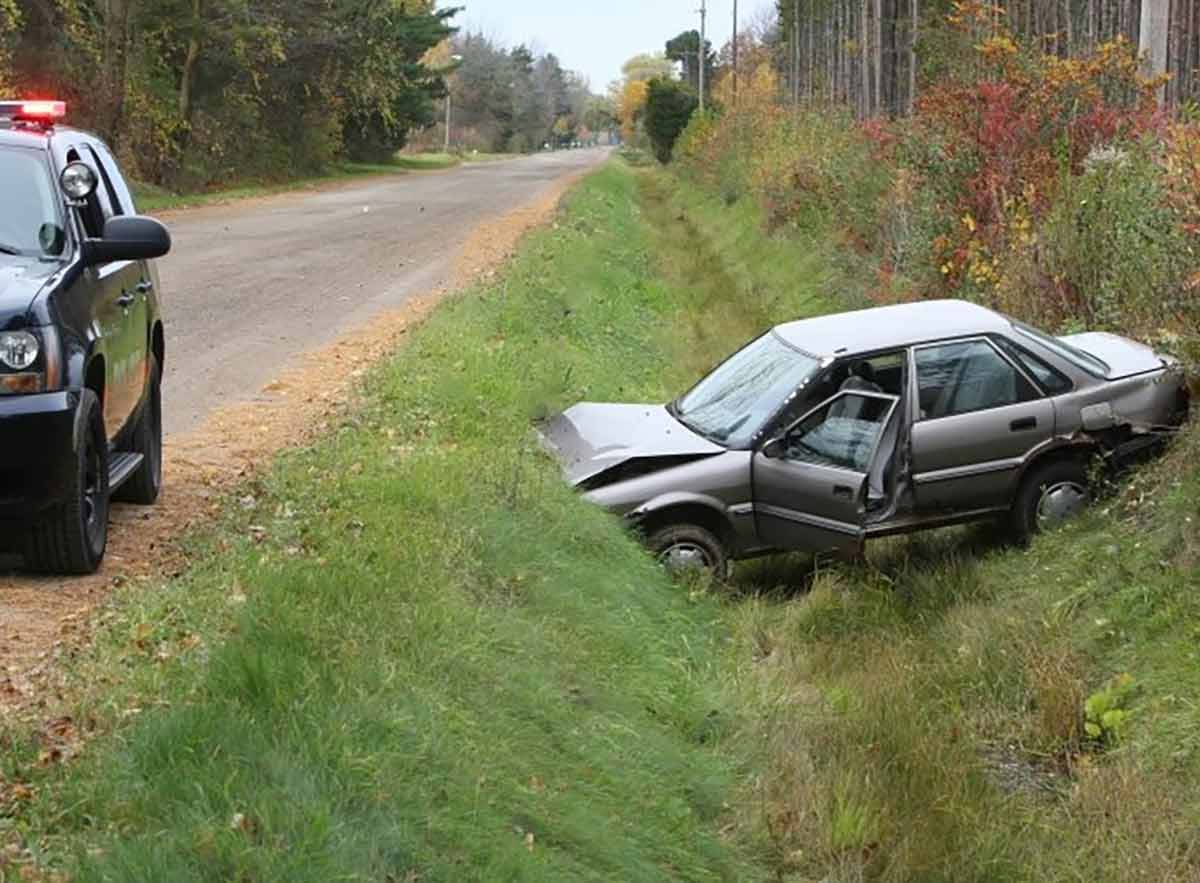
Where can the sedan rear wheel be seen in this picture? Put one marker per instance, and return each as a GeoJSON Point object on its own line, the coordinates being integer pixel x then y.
{"type": "Point", "coordinates": [1050, 496]}
{"type": "Point", "coordinates": [689, 548]}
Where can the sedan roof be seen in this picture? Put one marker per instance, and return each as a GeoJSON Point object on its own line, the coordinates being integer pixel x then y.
{"type": "Point", "coordinates": [879, 328]}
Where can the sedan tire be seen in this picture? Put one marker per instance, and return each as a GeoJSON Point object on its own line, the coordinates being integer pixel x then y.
{"type": "Point", "coordinates": [684, 548]}
{"type": "Point", "coordinates": [1050, 495]}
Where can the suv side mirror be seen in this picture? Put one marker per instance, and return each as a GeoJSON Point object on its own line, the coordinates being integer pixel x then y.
{"type": "Point", "coordinates": [128, 238]}
{"type": "Point", "coordinates": [775, 449]}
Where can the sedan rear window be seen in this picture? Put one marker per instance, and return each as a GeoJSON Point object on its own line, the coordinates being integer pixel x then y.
{"type": "Point", "coordinates": [29, 220]}
{"type": "Point", "coordinates": [1075, 356]}
{"type": "Point", "coordinates": [732, 404]}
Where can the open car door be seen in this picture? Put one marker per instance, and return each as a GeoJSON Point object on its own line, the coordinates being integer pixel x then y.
{"type": "Point", "coordinates": [811, 483]}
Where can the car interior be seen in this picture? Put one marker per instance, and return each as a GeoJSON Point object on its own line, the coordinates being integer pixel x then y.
{"type": "Point", "coordinates": [816, 441]}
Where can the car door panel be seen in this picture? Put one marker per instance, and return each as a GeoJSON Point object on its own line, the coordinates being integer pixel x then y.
{"type": "Point", "coordinates": [806, 506]}
{"type": "Point", "coordinates": [968, 461]}
{"type": "Point", "coordinates": [810, 490]}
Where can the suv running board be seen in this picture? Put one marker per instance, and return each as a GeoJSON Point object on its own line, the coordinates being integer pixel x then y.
{"type": "Point", "coordinates": [121, 468]}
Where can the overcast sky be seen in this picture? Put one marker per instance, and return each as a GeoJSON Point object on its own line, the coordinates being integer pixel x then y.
{"type": "Point", "coordinates": [595, 37]}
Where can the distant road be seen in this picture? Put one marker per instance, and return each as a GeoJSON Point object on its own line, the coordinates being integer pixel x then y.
{"type": "Point", "coordinates": [248, 285]}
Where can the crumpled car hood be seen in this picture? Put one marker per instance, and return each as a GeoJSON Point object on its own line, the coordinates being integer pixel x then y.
{"type": "Point", "coordinates": [592, 438]}
{"type": "Point", "coordinates": [1123, 356]}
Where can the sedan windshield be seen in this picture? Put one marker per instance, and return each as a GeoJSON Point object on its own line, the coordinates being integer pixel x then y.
{"type": "Point", "coordinates": [29, 219]}
{"type": "Point", "coordinates": [733, 403]}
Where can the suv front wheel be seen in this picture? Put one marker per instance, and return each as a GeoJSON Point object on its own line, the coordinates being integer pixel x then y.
{"type": "Point", "coordinates": [1050, 495]}
{"type": "Point", "coordinates": [72, 538]}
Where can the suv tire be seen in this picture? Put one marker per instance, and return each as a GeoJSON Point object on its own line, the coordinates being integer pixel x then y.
{"type": "Point", "coordinates": [1049, 495]}
{"type": "Point", "coordinates": [143, 486]}
{"type": "Point", "coordinates": [72, 539]}
{"type": "Point", "coordinates": [684, 547]}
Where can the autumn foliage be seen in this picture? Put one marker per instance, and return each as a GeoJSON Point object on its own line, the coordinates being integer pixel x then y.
{"type": "Point", "coordinates": [1050, 187]}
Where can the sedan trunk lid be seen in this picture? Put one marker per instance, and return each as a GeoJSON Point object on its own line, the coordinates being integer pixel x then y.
{"type": "Point", "coordinates": [1124, 357]}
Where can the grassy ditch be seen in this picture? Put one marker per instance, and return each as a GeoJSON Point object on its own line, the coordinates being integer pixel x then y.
{"type": "Point", "coordinates": [412, 653]}
{"type": "Point", "coordinates": [954, 709]}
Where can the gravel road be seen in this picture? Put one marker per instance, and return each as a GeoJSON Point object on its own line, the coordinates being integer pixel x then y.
{"type": "Point", "coordinates": [250, 284]}
{"type": "Point", "coordinates": [273, 306]}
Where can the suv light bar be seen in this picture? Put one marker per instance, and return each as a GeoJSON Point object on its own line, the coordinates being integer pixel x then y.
{"type": "Point", "coordinates": [44, 113]}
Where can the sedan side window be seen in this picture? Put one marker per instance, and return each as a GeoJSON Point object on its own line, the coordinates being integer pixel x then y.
{"type": "Point", "coordinates": [1053, 380]}
{"type": "Point", "coordinates": [957, 378]}
{"type": "Point", "coordinates": [843, 432]}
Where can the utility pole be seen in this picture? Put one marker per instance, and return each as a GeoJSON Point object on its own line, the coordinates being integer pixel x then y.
{"type": "Point", "coordinates": [735, 53]}
{"type": "Point", "coordinates": [702, 53]}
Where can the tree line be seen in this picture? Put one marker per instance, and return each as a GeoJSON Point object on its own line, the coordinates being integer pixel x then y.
{"type": "Point", "coordinates": [513, 100]}
{"type": "Point", "coordinates": [200, 93]}
{"type": "Point", "coordinates": [872, 55]}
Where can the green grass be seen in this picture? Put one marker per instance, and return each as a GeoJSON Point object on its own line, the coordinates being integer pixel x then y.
{"type": "Point", "coordinates": [420, 655]}
{"type": "Point", "coordinates": [418, 648]}
{"type": "Point", "coordinates": [151, 198]}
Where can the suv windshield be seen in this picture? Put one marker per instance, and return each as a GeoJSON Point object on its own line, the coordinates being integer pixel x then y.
{"type": "Point", "coordinates": [29, 220]}
{"type": "Point", "coordinates": [732, 403]}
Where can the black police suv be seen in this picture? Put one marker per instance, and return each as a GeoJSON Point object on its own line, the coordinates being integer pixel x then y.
{"type": "Point", "coordinates": [81, 341]}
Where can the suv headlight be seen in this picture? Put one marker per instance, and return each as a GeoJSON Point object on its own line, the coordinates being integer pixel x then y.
{"type": "Point", "coordinates": [18, 349]}
{"type": "Point", "coordinates": [30, 361]}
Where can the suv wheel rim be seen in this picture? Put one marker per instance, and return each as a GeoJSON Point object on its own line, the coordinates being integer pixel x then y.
{"type": "Point", "coordinates": [1060, 502]}
{"type": "Point", "coordinates": [684, 558]}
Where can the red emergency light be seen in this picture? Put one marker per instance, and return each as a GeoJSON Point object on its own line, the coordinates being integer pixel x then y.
{"type": "Point", "coordinates": [43, 113]}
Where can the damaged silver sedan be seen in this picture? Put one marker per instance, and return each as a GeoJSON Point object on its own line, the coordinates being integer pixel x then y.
{"type": "Point", "coordinates": [827, 432]}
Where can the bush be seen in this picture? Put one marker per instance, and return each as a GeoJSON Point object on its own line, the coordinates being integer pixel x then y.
{"type": "Point", "coordinates": [1110, 244]}
{"type": "Point", "coordinates": [669, 106]}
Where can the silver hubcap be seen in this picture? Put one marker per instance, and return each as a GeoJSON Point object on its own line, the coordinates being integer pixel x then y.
{"type": "Point", "coordinates": [684, 558]}
{"type": "Point", "coordinates": [1060, 502]}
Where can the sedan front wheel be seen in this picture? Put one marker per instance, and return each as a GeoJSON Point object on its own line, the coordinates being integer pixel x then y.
{"type": "Point", "coordinates": [689, 548]}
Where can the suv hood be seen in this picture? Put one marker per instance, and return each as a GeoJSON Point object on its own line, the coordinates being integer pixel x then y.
{"type": "Point", "coordinates": [590, 439]}
{"type": "Point", "coordinates": [20, 281]}
{"type": "Point", "coordinates": [1123, 356]}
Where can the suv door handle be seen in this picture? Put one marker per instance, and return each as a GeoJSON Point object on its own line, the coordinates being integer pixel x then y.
{"type": "Point", "coordinates": [126, 299]}
{"type": "Point", "coordinates": [145, 287]}
{"type": "Point", "coordinates": [843, 492]}
{"type": "Point", "coordinates": [1023, 424]}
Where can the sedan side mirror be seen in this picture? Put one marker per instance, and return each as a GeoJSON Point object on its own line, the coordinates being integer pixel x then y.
{"type": "Point", "coordinates": [128, 238]}
{"type": "Point", "coordinates": [775, 449]}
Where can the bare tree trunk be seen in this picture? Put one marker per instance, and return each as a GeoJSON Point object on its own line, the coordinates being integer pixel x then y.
{"type": "Point", "coordinates": [912, 57]}
{"type": "Point", "coordinates": [1152, 39]}
{"type": "Point", "coordinates": [187, 75]}
{"type": "Point", "coordinates": [115, 66]}
{"type": "Point", "coordinates": [877, 54]}
{"type": "Point", "coordinates": [812, 53]}
{"type": "Point", "coordinates": [864, 58]}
